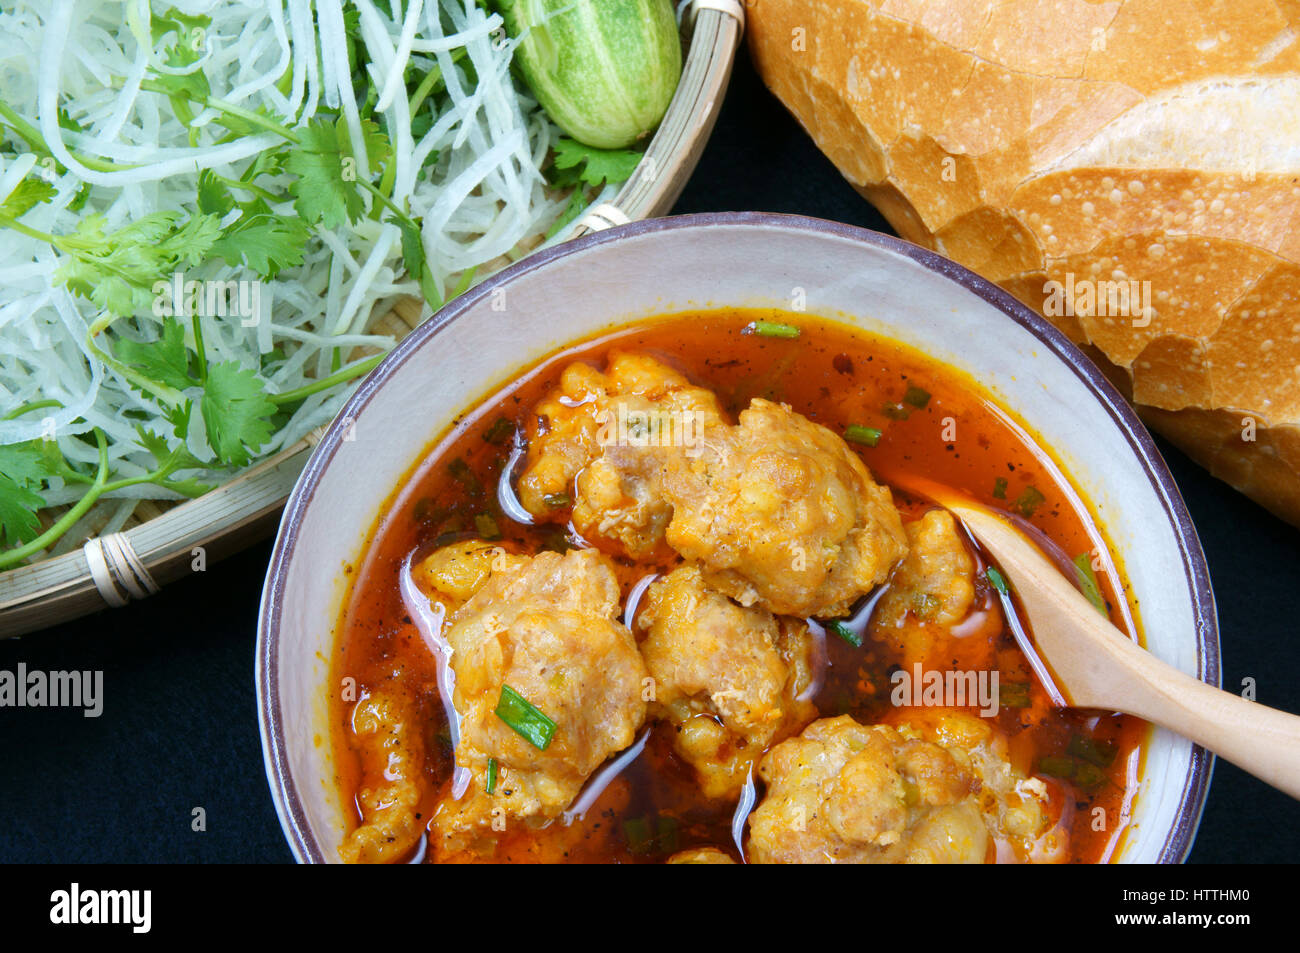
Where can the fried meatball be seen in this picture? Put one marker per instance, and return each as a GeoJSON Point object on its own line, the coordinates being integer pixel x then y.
{"type": "Point", "coordinates": [730, 679]}
{"type": "Point", "coordinates": [1016, 808]}
{"type": "Point", "coordinates": [940, 792]}
{"type": "Point", "coordinates": [392, 759]}
{"type": "Point", "coordinates": [453, 574]}
{"type": "Point", "coordinates": [935, 581]}
{"type": "Point", "coordinates": [701, 855]}
{"type": "Point", "coordinates": [782, 514]}
{"type": "Point", "coordinates": [925, 616]}
{"type": "Point", "coordinates": [545, 628]}
{"type": "Point", "coordinates": [598, 444]}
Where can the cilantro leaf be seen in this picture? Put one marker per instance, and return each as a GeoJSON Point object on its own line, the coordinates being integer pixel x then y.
{"type": "Point", "coordinates": [179, 418]}
{"type": "Point", "coordinates": [598, 166]}
{"type": "Point", "coordinates": [192, 241]}
{"type": "Point", "coordinates": [416, 264]}
{"type": "Point", "coordinates": [236, 412]}
{"type": "Point", "coordinates": [24, 464]}
{"type": "Point", "coordinates": [190, 31]}
{"type": "Point", "coordinates": [29, 193]}
{"type": "Point", "coordinates": [164, 455]}
{"type": "Point", "coordinates": [18, 508]}
{"type": "Point", "coordinates": [24, 467]}
{"type": "Point", "coordinates": [155, 444]}
{"type": "Point", "coordinates": [94, 281]}
{"type": "Point", "coordinates": [181, 87]}
{"type": "Point", "coordinates": [324, 191]}
{"type": "Point", "coordinates": [213, 196]}
{"type": "Point", "coordinates": [190, 486]}
{"type": "Point", "coordinates": [264, 242]}
{"type": "Point", "coordinates": [165, 360]}
{"type": "Point", "coordinates": [67, 122]}
{"type": "Point", "coordinates": [118, 271]}
{"type": "Point", "coordinates": [379, 151]}
{"type": "Point", "coordinates": [270, 162]}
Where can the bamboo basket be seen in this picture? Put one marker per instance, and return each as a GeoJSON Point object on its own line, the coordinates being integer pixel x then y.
{"type": "Point", "coordinates": [162, 543]}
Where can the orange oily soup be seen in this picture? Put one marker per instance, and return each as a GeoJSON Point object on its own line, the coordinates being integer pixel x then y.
{"type": "Point", "coordinates": [626, 571]}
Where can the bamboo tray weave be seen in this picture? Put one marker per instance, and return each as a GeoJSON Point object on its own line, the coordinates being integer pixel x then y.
{"type": "Point", "coordinates": [162, 543]}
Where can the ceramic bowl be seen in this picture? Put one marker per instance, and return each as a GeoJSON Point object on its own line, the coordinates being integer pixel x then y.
{"type": "Point", "coordinates": [886, 286]}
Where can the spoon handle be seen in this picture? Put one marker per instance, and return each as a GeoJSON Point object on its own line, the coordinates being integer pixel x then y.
{"type": "Point", "coordinates": [1254, 737]}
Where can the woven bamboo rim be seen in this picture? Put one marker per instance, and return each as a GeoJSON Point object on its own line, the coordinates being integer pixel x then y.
{"type": "Point", "coordinates": [163, 543]}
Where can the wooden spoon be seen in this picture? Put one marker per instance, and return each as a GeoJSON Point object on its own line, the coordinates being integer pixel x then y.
{"type": "Point", "coordinates": [1098, 666]}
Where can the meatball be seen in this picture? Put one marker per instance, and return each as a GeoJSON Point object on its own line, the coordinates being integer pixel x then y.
{"type": "Point", "coordinates": [1016, 808]}
{"type": "Point", "coordinates": [453, 574]}
{"type": "Point", "coordinates": [392, 759]}
{"type": "Point", "coordinates": [730, 679]}
{"type": "Point", "coordinates": [701, 855]}
{"type": "Point", "coordinates": [925, 616]}
{"type": "Point", "coordinates": [942, 791]}
{"type": "Point", "coordinates": [935, 581]}
{"type": "Point", "coordinates": [781, 513]}
{"type": "Point", "coordinates": [545, 629]}
{"type": "Point", "coordinates": [600, 442]}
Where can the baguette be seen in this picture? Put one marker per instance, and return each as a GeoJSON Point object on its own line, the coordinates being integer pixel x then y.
{"type": "Point", "coordinates": [1130, 170]}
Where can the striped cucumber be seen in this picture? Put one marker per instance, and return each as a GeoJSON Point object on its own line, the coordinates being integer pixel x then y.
{"type": "Point", "coordinates": [604, 70]}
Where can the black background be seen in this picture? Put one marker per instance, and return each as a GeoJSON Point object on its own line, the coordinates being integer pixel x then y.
{"type": "Point", "coordinates": [179, 728]}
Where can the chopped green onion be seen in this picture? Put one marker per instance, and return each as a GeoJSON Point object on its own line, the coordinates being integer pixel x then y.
{"type": "Point", "coordinates": [916, 396]}
{"type": "Point", "coordinates": [500, 431]}
{"type": "Point", "coordinates": [1000, 488]}
{"type": "Point", "coordinates": [528, 721]}
{"type": "Point", "coordinates": [842, 703]}
{"type": "Point", "coordinates": [487, 526]}
{"type": "Point", "coordinates": [1088, 582]}
{"type": "Point", "coordinates": [556, 542]}
{"type": "Point", "coordinates": [449, 531]}
{"type": "Point", "coordinates": [1083, 774]}
{"type": "Point", "coordinates": [641, 841]}
{"type": "Point", "coordinates": [845, 632]}
{"type": "Point", "coordinates": [1028, 501]}
{"type": "Point", "coordinates": [896, 411]}
{"type": "Point", "coordinates": [426, 510]}
{"type": "Point", "coordinates": [996, 579]}
{"type": "Point", "coordinates": [1100, 753]}
{"type": "Point", "coordinates": [772, 329]}
{"type": "Point", "coordinates": [557, 501]}
{"type": "Point", "coordinates": [666, 834]}
{"type": "Point", "coordinates": [463, 475]}
{"type": "Point", "coordinates": [1013, 694]}
{"type": "Point", "coordinates": [856, 433]}
{"type": "Point", "coordinates": [637, 832]}
{"type": "Point", "coordinates": [1057, 766]}
{"type": "Point", "coordinates": [1088, 776]}
{"type": "Point", "coordinates": [492, 775]}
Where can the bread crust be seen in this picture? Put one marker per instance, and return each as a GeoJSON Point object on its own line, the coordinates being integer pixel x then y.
{"type": "Point", "coordinates": [1092, 157]}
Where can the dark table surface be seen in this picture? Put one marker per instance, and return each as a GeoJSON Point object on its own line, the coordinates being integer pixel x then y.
{"type": "Point", "coordinates": [179, 727]}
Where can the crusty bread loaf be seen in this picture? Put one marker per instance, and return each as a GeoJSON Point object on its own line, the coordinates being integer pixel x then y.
{"type": "Point", "coordinates": [1130, 169]}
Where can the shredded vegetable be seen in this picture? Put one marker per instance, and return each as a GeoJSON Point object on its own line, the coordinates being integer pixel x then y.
{"type": "Point", "coordinates": [205, 207]}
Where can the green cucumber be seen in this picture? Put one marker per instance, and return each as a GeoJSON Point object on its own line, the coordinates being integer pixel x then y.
{"type": "Point", "coordinates": [604, 70]}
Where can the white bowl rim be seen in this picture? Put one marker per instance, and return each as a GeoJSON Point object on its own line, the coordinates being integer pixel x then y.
{"type": "Point", "coordinates": [288, 802]}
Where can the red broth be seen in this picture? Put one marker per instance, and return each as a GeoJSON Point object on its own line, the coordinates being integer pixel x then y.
{"type": "Point", "coordinates": [837, 376]}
